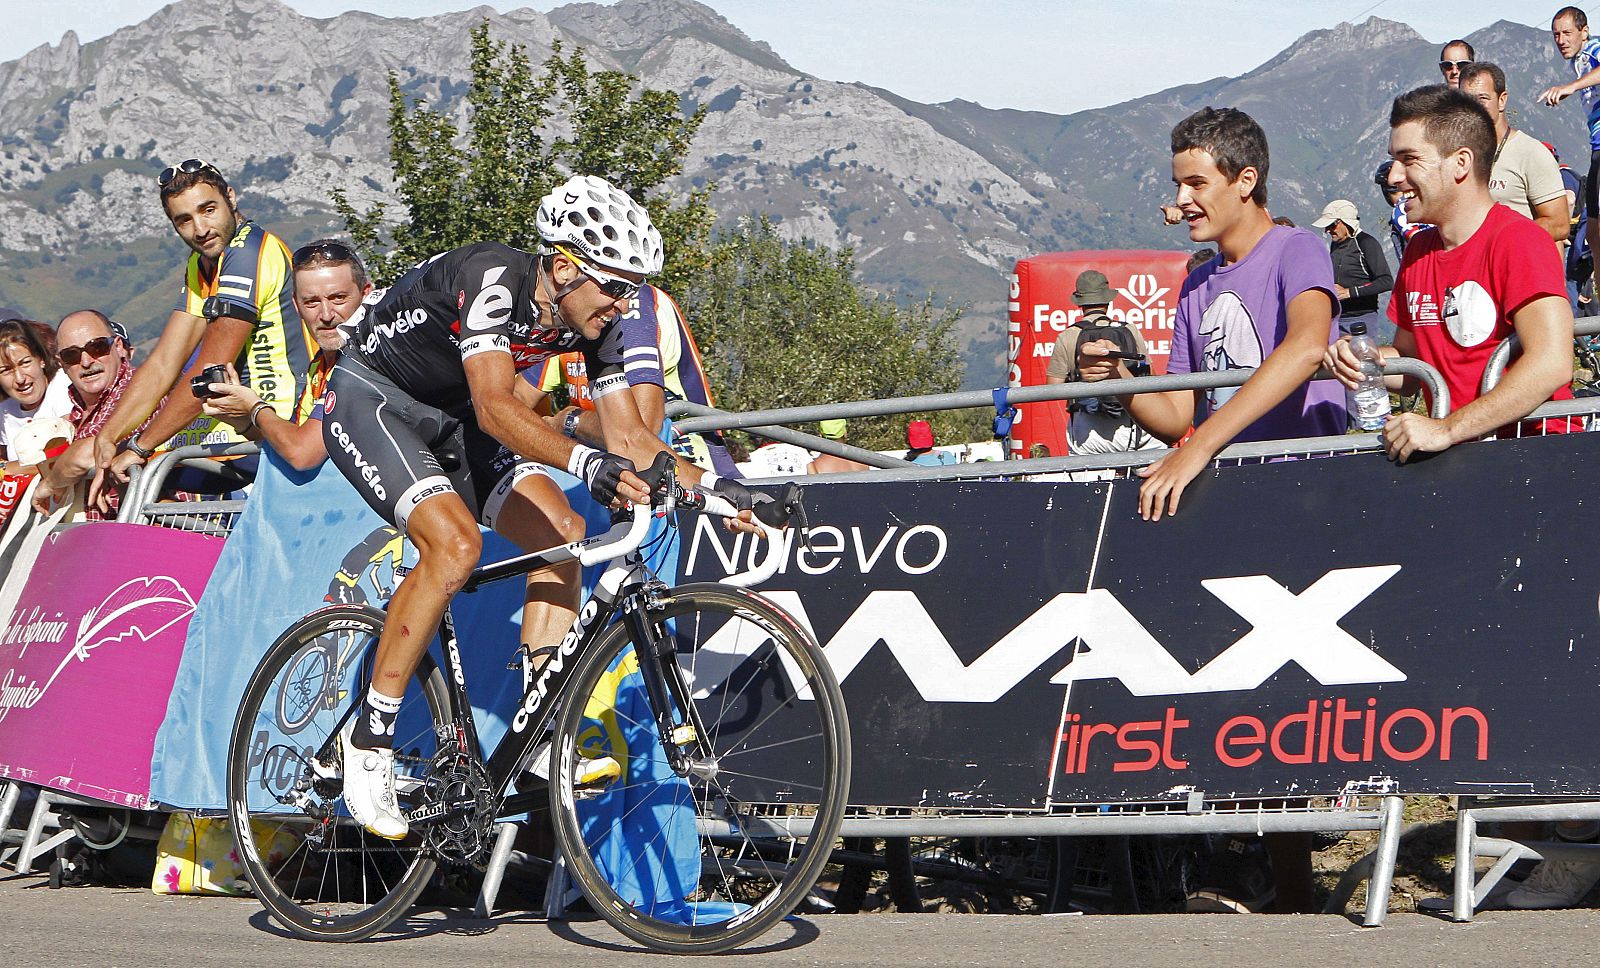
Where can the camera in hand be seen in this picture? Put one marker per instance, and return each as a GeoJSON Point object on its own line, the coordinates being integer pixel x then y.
{"type": "Point", "coordinates": [215, 373]}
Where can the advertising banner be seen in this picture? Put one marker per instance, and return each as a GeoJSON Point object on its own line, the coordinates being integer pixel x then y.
{"type": "Point", "coordinates": [1298, 628]}
{"type": "Point", "coordinates": [1144, 286]}
{"type": "Point", "coordinates": [97, 631]}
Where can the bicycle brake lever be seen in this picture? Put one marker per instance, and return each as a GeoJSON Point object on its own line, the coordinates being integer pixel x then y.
{"type": "Point", "coordinates": [797, 509]}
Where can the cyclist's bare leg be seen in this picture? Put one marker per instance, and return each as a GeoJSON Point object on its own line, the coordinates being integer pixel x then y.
{"type": "Point", "coordinates": [448, 545]}
{"type": "Point", "coordinates": [536, 516]}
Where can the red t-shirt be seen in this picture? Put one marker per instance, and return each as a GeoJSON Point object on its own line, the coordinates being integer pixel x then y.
{"type": "Point", "coordinates": [1455, 302]}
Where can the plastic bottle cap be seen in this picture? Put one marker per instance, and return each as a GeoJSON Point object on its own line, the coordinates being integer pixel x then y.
{"type": "Point", "coordinates": [1358, 329]}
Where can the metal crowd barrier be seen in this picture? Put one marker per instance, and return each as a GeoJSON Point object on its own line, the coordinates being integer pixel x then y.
{"type": "Point", "coordinates": [1495, 369]}
{"type": "Point", "coordinates": [769, 423]}
{"type": "Point", "coordinates": [1362, 810]}
{"type": "Point", "coordinates": [141, 504]}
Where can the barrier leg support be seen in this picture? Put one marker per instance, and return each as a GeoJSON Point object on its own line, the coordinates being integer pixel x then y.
{"type": "Point", "coordinates": [505, 836]}
{"type": "Point", "coordinates": [1383, 863]}
{"type": "Point", "coordinates": [1466, 895]}
{"type": "Point", "coordinates": [558, 890]}
{"type": "Point", "coordinates": [35, 843]}
{"type": "Point", "coordinates": [10, 793]}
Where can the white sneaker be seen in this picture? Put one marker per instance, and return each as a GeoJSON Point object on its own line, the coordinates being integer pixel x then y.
{"type": "Point", "coordinates": [369, 788]}
{"type": "Point", "coordinates": [1555, 884]}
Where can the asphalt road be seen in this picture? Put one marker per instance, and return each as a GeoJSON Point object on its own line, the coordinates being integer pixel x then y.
{"type": "Point", "coordinates": [135, 929]}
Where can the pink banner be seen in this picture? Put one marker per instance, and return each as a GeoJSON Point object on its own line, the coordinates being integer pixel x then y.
{"type": "Point", "coordinates": [88, 656]}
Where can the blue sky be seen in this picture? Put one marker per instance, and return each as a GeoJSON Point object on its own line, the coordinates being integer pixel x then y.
{"type": "Point", "coordinates": [1048, 55]}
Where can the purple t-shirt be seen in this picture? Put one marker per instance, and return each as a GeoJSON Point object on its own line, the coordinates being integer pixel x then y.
{"type": "Point", "coordinates": [1234, 316]}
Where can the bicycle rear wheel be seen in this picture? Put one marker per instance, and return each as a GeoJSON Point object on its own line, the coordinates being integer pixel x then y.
{"type": "Point", "coordinates": [706, 856]}
{"type": "Point", "coordinates": [317, 871]}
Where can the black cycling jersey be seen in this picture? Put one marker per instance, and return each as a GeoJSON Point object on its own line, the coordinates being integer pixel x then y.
{"type": "Point", "coordinates": [471, 300]}
{"type": "Point", "coordinates": [397, 414]}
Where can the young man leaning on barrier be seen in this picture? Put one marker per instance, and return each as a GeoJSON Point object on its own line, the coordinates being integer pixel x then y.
{"type": "Point", "coordinates": [1269, 280]}
{"type": "Point", "coordinates": [1480, 274]}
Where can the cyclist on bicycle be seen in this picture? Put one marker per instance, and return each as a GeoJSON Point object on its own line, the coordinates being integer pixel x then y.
{"type": "Point", "coordinates": [427, 417]}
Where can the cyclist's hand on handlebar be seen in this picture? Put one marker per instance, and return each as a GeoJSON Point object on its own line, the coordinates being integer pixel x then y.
{"type": "Point", "coordinates": [739, 496]}
{"type": "Point", "coordinates": [610, 478]}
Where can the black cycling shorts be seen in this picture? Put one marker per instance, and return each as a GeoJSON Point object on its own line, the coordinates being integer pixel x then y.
{"type": "Point", "coordinates": [398, 451]}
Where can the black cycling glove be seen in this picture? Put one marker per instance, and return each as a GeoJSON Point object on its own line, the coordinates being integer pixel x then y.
{"type": "Point", "coordinates": [602, 472]}
{"type": "Point", "coordinates": [730, 490]}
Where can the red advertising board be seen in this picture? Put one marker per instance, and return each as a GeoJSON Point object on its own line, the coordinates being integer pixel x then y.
{"type": "Point", "coordinates": [1144, 287]}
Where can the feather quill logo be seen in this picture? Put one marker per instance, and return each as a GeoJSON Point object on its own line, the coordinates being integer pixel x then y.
{"type": "Point", "coordinates": [137, 611]}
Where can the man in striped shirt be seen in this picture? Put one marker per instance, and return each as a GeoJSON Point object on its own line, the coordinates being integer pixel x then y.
{"type": "Point", "coordinates": [236, 306]}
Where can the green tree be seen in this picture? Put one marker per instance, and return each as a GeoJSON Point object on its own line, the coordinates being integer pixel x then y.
{"type": "Point", "coordinates": [783, 324]}
{"type": "Point", "coordinates": [526, 134]}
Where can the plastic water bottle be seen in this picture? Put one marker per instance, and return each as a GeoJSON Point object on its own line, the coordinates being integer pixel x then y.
{"type": "Point", "coordinates": [1369, 402]}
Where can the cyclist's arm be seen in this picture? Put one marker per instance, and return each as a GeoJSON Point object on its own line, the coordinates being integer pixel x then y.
{"type": "Point", "coordinates": [625, 417]}
{"type": "Point", "coordinates": [504, 414]}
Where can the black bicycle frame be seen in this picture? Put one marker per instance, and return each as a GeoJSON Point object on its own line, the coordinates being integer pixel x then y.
{"type": "Point", "coordinates": [533, 716]}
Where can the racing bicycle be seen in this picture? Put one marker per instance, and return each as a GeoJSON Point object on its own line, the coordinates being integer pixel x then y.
{"type": "Point", "coordinates": [727, 729]}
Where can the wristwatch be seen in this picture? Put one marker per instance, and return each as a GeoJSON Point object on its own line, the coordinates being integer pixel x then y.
{"type": "Point", "coordinates": [569, 423]}
{"type": "Point", "coordinates": [133, 445]}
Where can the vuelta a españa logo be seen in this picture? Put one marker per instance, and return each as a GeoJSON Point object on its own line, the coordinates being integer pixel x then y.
{"type": "Point", "coordinates": [137, 611]}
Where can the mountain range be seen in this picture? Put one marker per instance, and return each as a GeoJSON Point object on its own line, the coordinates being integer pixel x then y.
{"type": "Point", "coordinates": [933, 197]}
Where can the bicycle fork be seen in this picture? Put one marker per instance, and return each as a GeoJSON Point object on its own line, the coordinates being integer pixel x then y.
{"type": "Point", "coordinates": [683, 735]}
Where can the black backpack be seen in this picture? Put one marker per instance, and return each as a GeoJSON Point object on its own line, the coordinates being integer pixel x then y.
{"type": "Point", "coordinates": [1118, 333]}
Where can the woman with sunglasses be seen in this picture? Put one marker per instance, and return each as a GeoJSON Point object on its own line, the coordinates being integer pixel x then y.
{"type": "Point", "coordinates": [427, 417]}
{"type": "Point", "coordinates": [31, 381]}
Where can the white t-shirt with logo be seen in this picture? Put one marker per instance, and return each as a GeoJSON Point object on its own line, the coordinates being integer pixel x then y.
{"type": "Point", "coordinates": [56, 403]}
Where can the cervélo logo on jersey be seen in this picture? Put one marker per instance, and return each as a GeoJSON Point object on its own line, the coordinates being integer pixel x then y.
{"type": "Point", "coordinates": [403, 322]}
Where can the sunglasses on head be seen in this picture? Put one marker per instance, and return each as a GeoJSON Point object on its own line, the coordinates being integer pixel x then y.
{"type": "Point", "coordinates": [70, 355]}
{"type": "Point", "coordinates": [615, 287]}
{"type": "Point", "coordinates": [326, 251]}
{"type": "Point", "coordinates": [1448, 66]}
{"type": "Point", "coordinates": [185, 168]}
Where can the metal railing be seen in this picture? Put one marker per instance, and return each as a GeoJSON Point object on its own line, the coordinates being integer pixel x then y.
{"type": "Point", "coordinates": [141, 502]}
{"type": "Point", "coordinates": [769, 424]}
{"type": "Point", "coordinates": [1501, 358]}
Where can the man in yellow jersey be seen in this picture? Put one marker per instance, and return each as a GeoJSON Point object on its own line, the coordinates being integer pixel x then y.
{"type": "Point", "coordinates": [236, 307]}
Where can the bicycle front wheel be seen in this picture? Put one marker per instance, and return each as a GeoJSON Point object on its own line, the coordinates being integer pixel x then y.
{"type": "Point", "coordinates": [316, 870]}
{"type": "Point", "coordinates": [706, 840]}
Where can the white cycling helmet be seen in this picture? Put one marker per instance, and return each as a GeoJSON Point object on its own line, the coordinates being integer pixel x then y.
{"type": "Point", "coordinates": [602, 223]}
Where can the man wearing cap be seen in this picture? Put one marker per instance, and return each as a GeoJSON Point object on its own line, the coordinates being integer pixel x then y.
{"type": "Point", "coordinates": [1524, 175]}
{"type": "Point", "coordinates": [919, 437]}
{"type": "Point", "coordinates": [1099, 425]}
{"type": "Point", "coordinates": [1360, 271]}
{"type": "Point", "coordinates": [836, 429]}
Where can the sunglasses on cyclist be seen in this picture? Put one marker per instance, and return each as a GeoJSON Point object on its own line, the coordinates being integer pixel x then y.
{"type": "Point", "coordinates": [615, 287]}
{"type": "Point", "coordinates": [1446, 66]}
{"type": "Point", "coordinates": [97, 347]}
{"type": "Point", "coordinates": [188, 167]}
{"type": "Point", "coordinates": [326, 251]}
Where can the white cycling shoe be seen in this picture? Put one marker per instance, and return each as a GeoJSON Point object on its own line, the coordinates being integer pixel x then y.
{"type": "Point", "coordinates": [369, 788]}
